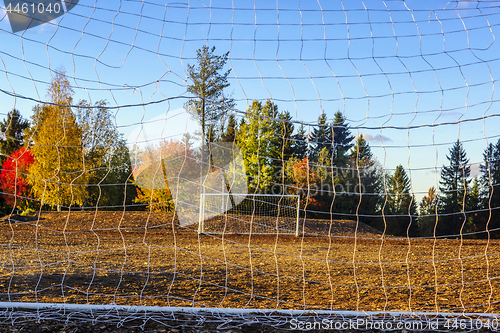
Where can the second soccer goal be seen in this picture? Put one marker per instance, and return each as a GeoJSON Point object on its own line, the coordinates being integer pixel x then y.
{"type": "Point", "coordinates": [265, 214]}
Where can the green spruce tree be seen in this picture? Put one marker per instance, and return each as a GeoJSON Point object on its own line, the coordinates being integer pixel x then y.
{"type": "Point", "coordinates": [300, 143]}
{"type": "Point", "coordinates": [321, 136]}
{"type": "Point", "coordinates": [400, 208]}
{"type": "Point", "coordinates": [343, 140]}
{"type": "Point", "coordinates": [12, 129]}
{"type": "Point", "coordinates": [490, 181]}
{"type": "Point", "coordinates": [229, 135]}
{"type": "Point", "coordinates": [476, 219]}
{"type": "Point", "coordinates": [361, 185]}
{"type": "Point", "coordinates": [454, 184]}
{"type": "Point", "coordinates": [260, 145]}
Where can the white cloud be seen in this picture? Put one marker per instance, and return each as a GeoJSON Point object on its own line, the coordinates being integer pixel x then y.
{"type": "Point", "coordinates": [474, 170]}
{"type": "Point", "coordinates": [376, 138]}
{"type": "Point", "coordinates": [467, 3]}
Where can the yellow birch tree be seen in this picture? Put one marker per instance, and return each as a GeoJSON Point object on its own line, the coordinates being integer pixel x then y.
{"type": "Point", "coordinates": [59, 168]}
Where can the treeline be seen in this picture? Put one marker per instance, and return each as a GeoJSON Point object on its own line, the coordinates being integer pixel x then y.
{"type": "Point", "coordinates": [465, 204]}
{"type": "Point", "coordinates": [64, 157]}
{"type": "Point", "coordinates": [337, 176]}
{"type": "Point", "coordinates": [69, 156]}
{"type": "Point", "coordinates": [335, 173]}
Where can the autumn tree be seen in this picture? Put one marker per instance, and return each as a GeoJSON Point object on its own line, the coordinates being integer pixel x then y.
{"type": "Point", "coordinates": [324, 166]}
{"type": "Point", "coordinates": [258, 144]}
{"type": "Point", "coordinates": [324, 170]}
{"type": "Point", "coordinates": [208, 82]}
{"type": "Point", "coordinates": [283, 132]}
{"type": "Point", "coordinates": [11, 138]}
{"type": "Point", "coordinates": [312, 181]}
{"type": "Point", "coordinates": [428, 213]}
{"type": "Point", "coordinates": [14, 179]}
{"type": "Point", "coordinates": [155, 165]}
{"type": "Point", "coordinates": [58, 172]}
{"type": "Point", "coordinates": [454, 184]}
{"type": "Point", "coordinates": [304, 181]}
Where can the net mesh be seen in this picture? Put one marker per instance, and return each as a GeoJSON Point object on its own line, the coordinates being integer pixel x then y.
{"type": "Point", "coordinates": [253, 214]}
{"type": "Point", "coordinates": [137, 120]}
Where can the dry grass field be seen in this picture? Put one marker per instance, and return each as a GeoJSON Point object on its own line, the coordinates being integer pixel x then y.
{"type": "Point", "coordinates": [138, 258]}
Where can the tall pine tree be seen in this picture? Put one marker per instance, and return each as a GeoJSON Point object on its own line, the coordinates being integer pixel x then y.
{"type": "Point", "coordinates": [453, 184]}
{"type": "Point", "coordinates": [401, 207]}
{"type": "Point", "coordinates": [208, 81]}
{"type": "Point", "coordinates": [360, 185]}
{"type": "Point", "coordinates": [12, 128]}
{"type": "Point", "coordinates": [321, 136]}
{"type": "Point", "coordinates": [343, 140]}
{"type": "Point", "coordinates": [490, 181]}
{"type": "Point", "coordinates": [229, 135]}
{"type": "Point", "coordinates": [300, 143]}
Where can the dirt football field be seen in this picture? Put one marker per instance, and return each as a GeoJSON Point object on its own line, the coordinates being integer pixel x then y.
{"type": "Point", "coordinates": [142, 258]}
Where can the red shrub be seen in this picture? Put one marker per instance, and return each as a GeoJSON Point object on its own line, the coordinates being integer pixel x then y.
{"type": "Point", "coordinates": [13, 177]}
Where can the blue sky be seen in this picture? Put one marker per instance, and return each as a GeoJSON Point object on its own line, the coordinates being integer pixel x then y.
{"type": "Point", "coordinates": [393, 68]}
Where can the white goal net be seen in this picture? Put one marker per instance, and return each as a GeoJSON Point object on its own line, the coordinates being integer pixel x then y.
{"type": "Point", "coordinates": [302, 164]}
{"type": "Point", "coordinates": [250, 214]}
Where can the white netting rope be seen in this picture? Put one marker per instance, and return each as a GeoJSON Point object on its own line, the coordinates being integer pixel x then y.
{"type": "Point", "coordinates": [198, 189]}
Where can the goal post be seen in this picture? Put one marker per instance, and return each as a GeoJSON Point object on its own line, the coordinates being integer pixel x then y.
{"type": "Point", "coordinates": [264, 214]}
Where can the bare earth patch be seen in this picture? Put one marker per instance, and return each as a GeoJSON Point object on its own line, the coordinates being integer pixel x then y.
{"type": "Point", "coordinates": [142, 258]}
